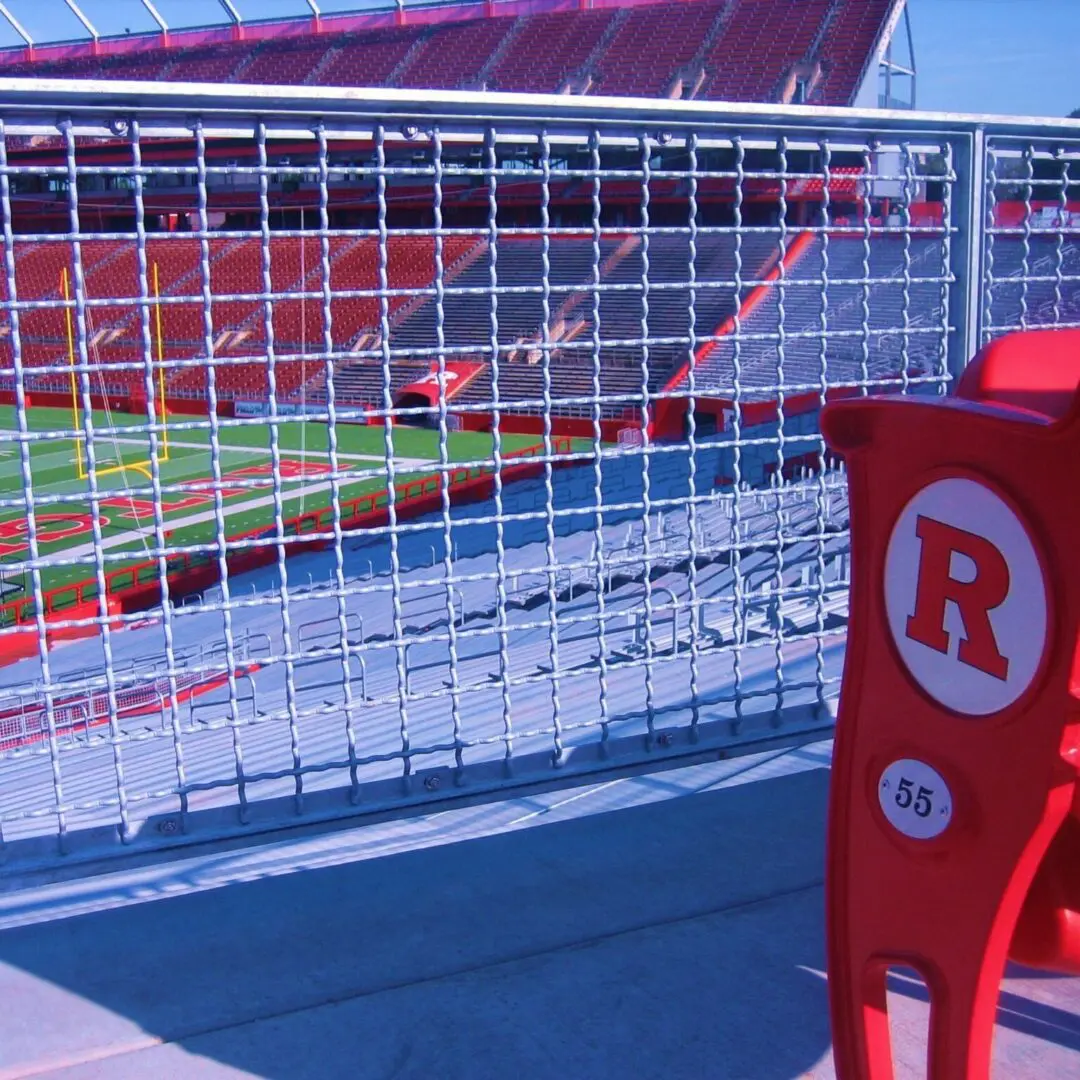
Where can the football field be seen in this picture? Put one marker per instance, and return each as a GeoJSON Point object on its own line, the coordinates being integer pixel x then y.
{"type": "Point", "coordinates": [246, 463]}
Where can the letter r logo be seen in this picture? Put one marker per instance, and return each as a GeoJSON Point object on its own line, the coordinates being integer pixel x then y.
{"type": "Point", "coordinates": [976, 598]}
{"type": "Point", "coordinates": [965, 597]}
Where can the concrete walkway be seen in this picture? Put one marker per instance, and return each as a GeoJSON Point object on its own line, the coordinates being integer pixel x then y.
{"type": "Point", "coordinates": [659, 926]}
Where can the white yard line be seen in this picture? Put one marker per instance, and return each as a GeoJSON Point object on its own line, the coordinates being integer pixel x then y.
{"type": "Point", "coordinates": [249, 449]}
{"type": "Point", "coordinates": [374, 462]}
{"type": "Point", "coordinates": [196, 519]}
{"type": "Point", "coordinates": [320, 454]}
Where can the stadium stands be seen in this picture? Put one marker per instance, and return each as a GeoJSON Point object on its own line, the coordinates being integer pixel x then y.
{"type": "Point", "coordinates": [552, 49]}
{"type": "Point", "coordinates": [865, 301]}
{"type": "Point", "coordinates": [718, 49]}
{"type": "Point", "coordinates": [776, 36]}
{"type": "Point", "coordinates": [454, 56]}
{"type": "Point", "coordinates": [671, 38]}
{"type": "Point", "coordinates": [843, 45]}
{"type": "Point", "coordinates": [863, 291]}
{"type": "Point", "coordinates": [285, 65]}
{"type": "Point", "coordinates": [361, 60]}
{"type": "Point", "coordinates": [745, 50]}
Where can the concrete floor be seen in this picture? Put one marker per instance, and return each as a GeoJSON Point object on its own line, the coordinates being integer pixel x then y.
{"type": "Point", "coordinates": [658, 926]}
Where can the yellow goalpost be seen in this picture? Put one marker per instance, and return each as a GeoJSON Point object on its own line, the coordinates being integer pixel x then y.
{"type": "Point", "coordinates": [143, 466]}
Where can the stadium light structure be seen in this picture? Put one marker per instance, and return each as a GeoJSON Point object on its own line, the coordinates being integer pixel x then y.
{"type": "Point", "coordinates": [895, 73]}
{"type": "Point", "coordinates": [232, 12]}
{"type": "Point", "coordinates": [16, 26]}
{"type": "Point", "coordinates": [77, 12]}
{"type": "Point", "coordinates": [156, 16]}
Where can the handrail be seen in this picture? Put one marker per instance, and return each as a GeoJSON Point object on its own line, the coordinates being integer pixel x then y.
{"type": "Point", "coordinates": [222, 105]}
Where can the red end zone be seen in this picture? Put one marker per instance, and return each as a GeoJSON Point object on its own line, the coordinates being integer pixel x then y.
{"type": "Point", "coordinates": [51, 528]}
{"type": "Point", "coordinates": [196, 494]}
{"type": "Point", "coordinates": [200, 493]}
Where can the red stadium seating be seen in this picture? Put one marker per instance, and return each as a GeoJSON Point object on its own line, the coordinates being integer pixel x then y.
{"type": "Point", "coordinates": [670, 38]}
{"type": "Point", "coordinates": [275, 65]}
{"type": "Point", "coordinates": [552, 48]}
{"type": "Point", "coordinates": [238, 326]}
{"type": "Point", "coordinates": [747, 48]}
{"type": "Point", "coordinates": [452, 56]}
{"type": "Point", "coordinates": [760, 43]}
{"type": "Point", "coordinates": [366, 59]}
{"type": "Point", "coordinates": [217, 64]}
{"type": "Point", "coordinates": [743, 50]}
{"type": "Point", "coordinates": [844, 46]}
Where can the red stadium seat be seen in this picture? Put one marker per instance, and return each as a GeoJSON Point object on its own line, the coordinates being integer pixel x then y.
{"type": "Point", "coordinates": [746, 49]}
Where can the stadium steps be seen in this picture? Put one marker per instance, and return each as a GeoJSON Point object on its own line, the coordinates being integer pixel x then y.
{"type": "Point", "coordinates": [775, 35]}
{"type": "Point", "coordinates": [260, 747]}
{"type": "Point", "coordinates": [368, 59]}
{"type": "Point", "coordinates": [508, 43]}
{"type": "Point", "coordinates": [457, 268]}
{"type": "Point", "coordinates": [669, 34]}
{"type": "Point", "coordinates": [579, 305]}
{"type": "Point", "coordinates": [594, 60]}
{"type": "Point", "coordinates": [286, 63]}
{"type": "Point", "coordinates": [716, 29]}
{"type": "Point", "coordinates": [246, 62]}
{"type": "Point", "coordinates": [847, 47]}
{"type": "Point", "coordinates": [452, 55]}
{"type": "Point", "coordinates": [553, 48]}
{"type": "Point", "coordinates": [305, 280]}
{"type": "Point", "coordinates": [406, 61]}
{"type": "Point", "coordinates": [816, 47]}
{"type": "Point", "coordinates": [315, 76]}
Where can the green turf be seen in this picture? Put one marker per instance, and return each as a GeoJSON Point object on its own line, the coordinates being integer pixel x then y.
{"type": "Point", "coordinates": [255, 433]}
{"type": "Point", "coordinates": [242, 445]}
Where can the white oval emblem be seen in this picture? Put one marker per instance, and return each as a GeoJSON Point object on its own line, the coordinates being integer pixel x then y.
{"type": "Point", "coordinates": [965, 597]}
{"type": "Point", "coordinates": [915, 799]}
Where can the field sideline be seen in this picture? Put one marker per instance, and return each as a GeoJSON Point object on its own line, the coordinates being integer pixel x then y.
{"type": "Point", "coordinates": [65, 524]}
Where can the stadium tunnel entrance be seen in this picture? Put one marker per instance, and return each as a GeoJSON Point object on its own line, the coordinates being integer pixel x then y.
{"type": "Point", "coordinates": [423, 393]}
{"type": "Point", "coordinates": [418, 399]}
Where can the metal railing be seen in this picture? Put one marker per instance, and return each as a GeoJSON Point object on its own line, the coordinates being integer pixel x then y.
{"type": "Point", "coordinates": [580, 566]}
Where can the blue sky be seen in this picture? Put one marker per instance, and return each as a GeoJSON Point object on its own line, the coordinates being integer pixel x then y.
{"type": "Point", "coordinates": [998, 56]}
{"type": "Point", "coordinates": [1001, 56]}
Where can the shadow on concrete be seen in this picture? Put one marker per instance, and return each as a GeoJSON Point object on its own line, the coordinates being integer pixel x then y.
{"type": "Point", "coordinates": [1015, 1012]}
{"type": "Point", "coordinates": [663, 940]}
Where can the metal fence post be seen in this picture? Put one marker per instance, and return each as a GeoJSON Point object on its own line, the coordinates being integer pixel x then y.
{"type": "Point", "coordinates": [966, 250]}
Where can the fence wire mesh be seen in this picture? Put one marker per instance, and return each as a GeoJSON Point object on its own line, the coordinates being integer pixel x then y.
{"type": "Point", "coordinates": [353, 461]}
{"type": "Point", "coordinates": [1032, 249]}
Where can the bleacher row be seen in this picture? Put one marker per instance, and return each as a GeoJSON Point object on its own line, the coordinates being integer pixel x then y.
{"type": "Point", "coordinates": [734, 50]}
{"type": "Point", "coordinates": [882, 307]}
{"type": "Point", "coordinates": [114, 331]}
{"type": "Point", "coordinates": [845, 309]}
{"type": "Point", "coordinates": [783, 577]}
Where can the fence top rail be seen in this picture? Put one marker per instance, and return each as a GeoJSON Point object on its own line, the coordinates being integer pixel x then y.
{"type": "Point", "coordinates": [173, 107]}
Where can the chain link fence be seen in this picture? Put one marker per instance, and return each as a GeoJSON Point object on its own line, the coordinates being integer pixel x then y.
{"type": "Point", "coordinates": [366, 449]}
